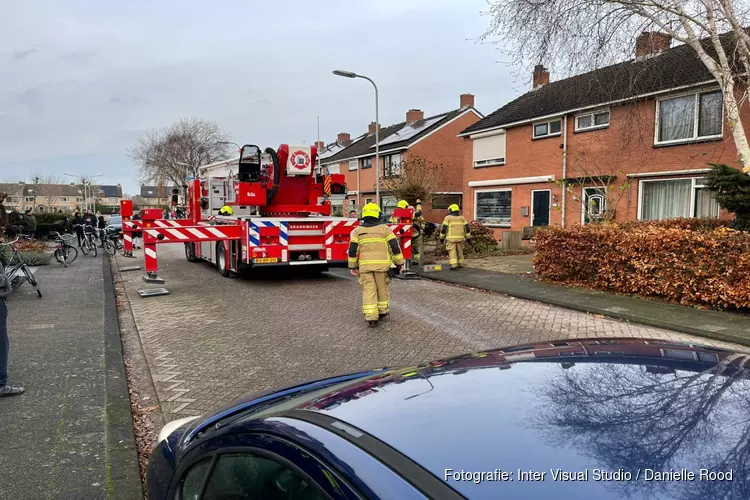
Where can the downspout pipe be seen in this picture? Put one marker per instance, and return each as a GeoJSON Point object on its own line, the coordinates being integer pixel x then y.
{"type": "Point", "coordinates": [564, 167]}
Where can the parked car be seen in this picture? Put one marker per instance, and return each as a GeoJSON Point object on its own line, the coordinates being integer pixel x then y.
{"type": "Point", "coordinates": [114, 224]}
{"type": "Point", "coordinates": [585, 419]}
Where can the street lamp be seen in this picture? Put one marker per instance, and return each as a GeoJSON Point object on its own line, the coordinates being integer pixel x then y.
{"type": "Point", "coordinates": [86, 182]}
{"type": "Point", "coordinates": [350, 74]}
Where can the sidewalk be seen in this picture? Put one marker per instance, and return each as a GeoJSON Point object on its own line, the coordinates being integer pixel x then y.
{"type": "Point", "coordinates": [716, 325]}
{"type": "Point", "coordinates": [71, 434]}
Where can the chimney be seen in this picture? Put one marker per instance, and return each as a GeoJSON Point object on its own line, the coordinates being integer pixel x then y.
{"type": "Point", "coordinates": [343, 138]}
{"type": "Point", "coordinates": [651, 43]}
{"type": "Point", "coordinates": [320, 145]}
{"type": "Point", "coordinates": [467, 101]}
{"type": "Point", "coordinates": [541, 76]}
{"type": "Point", "coordinates": [371, 128]}
{"type": "Point", "coordinates": [413, 115]}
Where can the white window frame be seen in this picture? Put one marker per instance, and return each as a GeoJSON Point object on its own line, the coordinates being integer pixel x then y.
{"type": "Point", "coordinates": [495, 190]}
{"type": "Point", "coordinates": [531, 207]}
{"type": "Point", "coordinates": [355, 163]}
{"type": "Point", "coordinates": [695, 185]}
{"type": "Point", "coordinates": [696, 118]}
{"type": "Point", "coordinates": [583, 201]}
{"type": "Point", "coordinates": [388, 165]}
{"type": "Point", "coordinates": [547, 122]}
{"type": "Point", "coordinates": [592, 114]}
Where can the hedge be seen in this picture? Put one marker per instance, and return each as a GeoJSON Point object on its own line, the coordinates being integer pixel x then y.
{"type": "Point", "coordinates": [690, 261]}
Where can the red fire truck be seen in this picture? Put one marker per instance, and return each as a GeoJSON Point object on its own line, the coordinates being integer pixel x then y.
{"type": "Point", "coordinates": [281, 215]}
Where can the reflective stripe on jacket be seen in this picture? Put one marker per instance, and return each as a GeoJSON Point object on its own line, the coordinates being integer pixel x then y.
{"type": "Point", "coordinates": [455, 228]}
{"type": "Point", "coordinates": [374, 248]}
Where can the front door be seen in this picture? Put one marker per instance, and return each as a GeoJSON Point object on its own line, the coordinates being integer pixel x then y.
{"type": "Point", "coordinates": [540, 208]}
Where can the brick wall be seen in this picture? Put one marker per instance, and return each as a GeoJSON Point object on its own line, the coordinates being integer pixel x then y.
{"type": "Point", "coordinates": [625, 147]}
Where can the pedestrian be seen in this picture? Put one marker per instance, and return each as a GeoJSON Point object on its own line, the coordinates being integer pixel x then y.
{"type": "Point", "coordinates": [5, 389]}
{"type": "Point", "coordinates": [373, 252]}
{"type": "Point", "coordinates": [78, 227]}
{"type": "Point", "coordinates": [101, 225]}
{"type": "Point", "coordinates": [137, 235]}
{"type": "Point", "coordinates": [455, 231]}
{"type": "Point", "coordinates": [352, 214]}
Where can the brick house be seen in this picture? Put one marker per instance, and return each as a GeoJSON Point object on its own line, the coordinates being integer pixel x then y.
{"type": "Point", "coordinates": [434, 138]}
{"type": "Point", "coordinates": [631, 141]}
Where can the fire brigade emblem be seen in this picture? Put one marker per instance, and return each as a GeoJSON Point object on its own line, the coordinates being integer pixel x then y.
{"type": "Point", "coordinates": [300, 160]}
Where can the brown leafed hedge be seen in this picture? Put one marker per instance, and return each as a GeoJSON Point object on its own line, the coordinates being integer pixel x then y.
{"type": "Point", "coordinates": [689, 261]}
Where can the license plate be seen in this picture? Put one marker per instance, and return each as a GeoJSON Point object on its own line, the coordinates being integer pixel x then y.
{"type": "Point", "coordinates": [265, 260]}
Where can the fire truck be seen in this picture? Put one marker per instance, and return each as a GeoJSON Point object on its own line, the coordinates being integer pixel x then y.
{"type": "Point", "coordinates": [281, 215]}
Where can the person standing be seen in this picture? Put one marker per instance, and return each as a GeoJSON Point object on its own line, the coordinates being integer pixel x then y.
{"type": "Point", "coordinates": [417, 233]}
{"type": "Point", "coordinates": [101, 225]}
{"type": "Point", "coordinates": [5, 389]}
{"type": "Point", "coordinates": [455, 231]}
{"type": "Point", "coordinates": [373, 250]}
{"type": "Point", "coordinates": [78, 227]}
{"type": "Point", "coordinates": [137, 235]}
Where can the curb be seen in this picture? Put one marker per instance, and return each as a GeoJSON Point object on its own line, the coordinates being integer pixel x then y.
{"type": "Point", "coordinates": [123, 475]}
{"type": "Point", "coordinates": [632, 318]}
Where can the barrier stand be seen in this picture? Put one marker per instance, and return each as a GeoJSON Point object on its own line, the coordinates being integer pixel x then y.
{"type": "Point", "coordinates": [126, 209]}
{"type": "Point", "coordinates": [148, 216]}
{"type": "Point", "coordinates": [405, 216]}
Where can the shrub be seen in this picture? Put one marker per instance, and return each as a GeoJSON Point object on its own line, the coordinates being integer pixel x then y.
{"type": "Point", "coordinates": [33, 252]}
{"type": "Point", "coordinates": [481, 244]}
{"type": "Point", "coordinates": [687, 261]}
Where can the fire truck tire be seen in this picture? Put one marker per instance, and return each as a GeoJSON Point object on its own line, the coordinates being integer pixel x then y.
{"type": "Point", "coordinates": [221, 259]}
{"type": "Point", "coordinates": [190, 252]}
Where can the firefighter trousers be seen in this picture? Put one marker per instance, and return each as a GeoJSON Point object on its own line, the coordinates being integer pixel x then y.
{"type": "Point", "coordinates": [416, 248]}
{"type": "Point", "coordinates": [376, 299]}
{"type": "Point", "coordinates": [455, 253]}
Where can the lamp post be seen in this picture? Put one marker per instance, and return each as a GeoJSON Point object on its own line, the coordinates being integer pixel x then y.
{"type": "Point", "coordinates": [350, 74]}
{"type": "Point", "coordinates": [86, 183]}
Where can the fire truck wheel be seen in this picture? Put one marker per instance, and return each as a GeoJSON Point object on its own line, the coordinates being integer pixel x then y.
{"type": "Point", "coordinates": [190, 252]}
{"type": "Point", "coordinates": [221, 259]}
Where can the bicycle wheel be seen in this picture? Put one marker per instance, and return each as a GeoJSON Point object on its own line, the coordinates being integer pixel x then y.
{"type": "Point", "coordinates": [31, 279]}
{"type": "Point", "coordinates": [85, 248]}
{"type": "Point", "coordinates": [60, 257]}
{"type": "Point", "coordinates": [71, 253]}
{"type": "Point", "coordinates": [93, 248]}
{"type": "Point", "coordinates": [121, 248]}
{"type": "Point", "coordinates": [109, 247]}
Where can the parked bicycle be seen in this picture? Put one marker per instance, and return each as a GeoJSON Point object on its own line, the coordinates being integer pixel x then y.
{"type": "Point", "coordinates": [88, 243]}
{"type": "Point", "coordinates": [65, 252]}
{"type": "Point", "coordinates": [113, 243]}
{"type": "Point", "coordinates": [16, 271]}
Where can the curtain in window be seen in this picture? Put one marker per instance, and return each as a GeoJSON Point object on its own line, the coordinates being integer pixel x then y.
{"type": "Point", "coordinates": [666, 199]}
{"type": "Point", "coordinates": [676, 118]}
{"type": "Point", "coordinates": [705, 203]}
{"type": "Point", "coordinates": [494, 207]}
{"type": "Point", "coordinates": [709, 121]}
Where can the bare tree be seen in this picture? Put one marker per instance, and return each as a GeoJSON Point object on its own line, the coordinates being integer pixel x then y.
{"type": "Point", "coordinates": [177, 151]}
{"type": "Point", "coordinates": [587, 34]}
{"type": "Point", "coordinates": [413, 178]}
{"type": "Point", "coordinates": [48, 190]}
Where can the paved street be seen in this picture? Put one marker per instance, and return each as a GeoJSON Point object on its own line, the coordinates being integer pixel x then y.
{"type": "Point", "coordinates": [70, 435]}
{"type": "Point", "coordinates": [213, 339]}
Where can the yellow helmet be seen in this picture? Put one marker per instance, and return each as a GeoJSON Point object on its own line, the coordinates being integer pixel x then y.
{"type": "Point", "coordinates": [371, 210]}
{"type": "Point", "coordinates": [226, 210]}
{"type": "Point", "coordinates": [403, 204]}
{"type": "Point", "coordinates": [453, 208]}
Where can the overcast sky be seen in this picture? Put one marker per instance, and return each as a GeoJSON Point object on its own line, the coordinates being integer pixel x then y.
{"type": "Point", "coordinates": [81, 80]}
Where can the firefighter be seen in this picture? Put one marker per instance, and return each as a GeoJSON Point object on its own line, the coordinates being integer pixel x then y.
{"type": "Point", "coordinates": [401, 204]}
{"type": "Point", "coordinates": [226, 210]}
{"type": "Point", "coordinates": [417, 233]}
{"type": "Point", "coordinates": [455, 231]}
{"type": "Point", "coordinates": [373, 252]}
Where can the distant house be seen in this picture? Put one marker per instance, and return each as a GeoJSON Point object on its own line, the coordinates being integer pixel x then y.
{"type": "Point", "coordinates": [434, 138]}
{"type": "Point", "coordinates": [154, 196]}
{"type": "Point", "coordinates": [110, 195]}
{"type": "Point", "coordinates": [42, 197]}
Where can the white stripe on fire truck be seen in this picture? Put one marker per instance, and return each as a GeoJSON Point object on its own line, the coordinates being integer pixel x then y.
{"type": "Point", "coordinates": [196, 232]}
{"type": "Point", "coordinates": [177, 234]}
{"type": "Point", "coordinates": [215, 232]}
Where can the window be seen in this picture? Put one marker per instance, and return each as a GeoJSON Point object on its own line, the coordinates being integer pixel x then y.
{"type": "Point", "coordinates": [334, 169]}
{"type": "Point", "coordinates": [547, 129]}
{"type": "Point", "coordinates": [690, 117]}
{"type": "Point", "coordinates": [441, 201]}
{"type": "Point", "coordinates": [593, 204]}
{"type": "Point", "coordinates": [392, 165]}
{"type": "Point", "coordinates": [29, 198]}
{"type": "Point", "coordinates": [79, 199]}
{"type": "Point", "coordinates": [366, 163]}
{"type": "Point", "coordinates": [493, 207]}
{"type": "Point", "coordinates": [64, 199]}
{"type": "Point", "coordinates": [489, 151]}
{"type": "Point", "coordinates": [668, 199]}
{"type": "Point", "coordinates": [592, 121]}
{"type": "Point", "coordinates": [388, 204]}
{"type": "Point", "coordinates": [368, 200]}
{"type": "Point", "coordinates": [337, 208]}
{"type": "Point", "coordinates": [242, 475]}
{"type": "Point", "coordinates": [353, 165]}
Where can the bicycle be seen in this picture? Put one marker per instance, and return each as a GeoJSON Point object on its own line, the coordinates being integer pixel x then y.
{"type": "Point", "coordinates": [17, 271]}
{"type": "Point", "coordinates": [65, 253]}
{"type": "Point", "coordinates": [113, 243]}
{"type": "Point", "coordinates": [88, 244]}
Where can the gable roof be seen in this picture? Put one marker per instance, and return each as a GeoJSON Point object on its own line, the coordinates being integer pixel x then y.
{"type": "Point", "coordinates": [155, 191]}
{"type": "Point", "coordinates": [335, 147]}
{"type": "Point", "coordinates": [672, 69]}
{"type": "Point", "coordinates": [111, 191]}
{"type": "Point", "coordinates": [366, 145]}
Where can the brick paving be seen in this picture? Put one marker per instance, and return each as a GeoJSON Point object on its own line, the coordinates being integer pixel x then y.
{"type": "Point", "coordinates": [213, 339]}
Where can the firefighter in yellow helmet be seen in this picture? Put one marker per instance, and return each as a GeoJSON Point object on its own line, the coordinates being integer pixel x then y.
{"type": "Point", "coordinates": [226, 210]}
{"type": "Point", "coordinates": [417, 232]}
{"type": "Point", "coordinates": [455, 231]}
{"type": "Point", "coordinates": [373, 250]}
{"type": "Point", "coordinates": [401, 204]}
